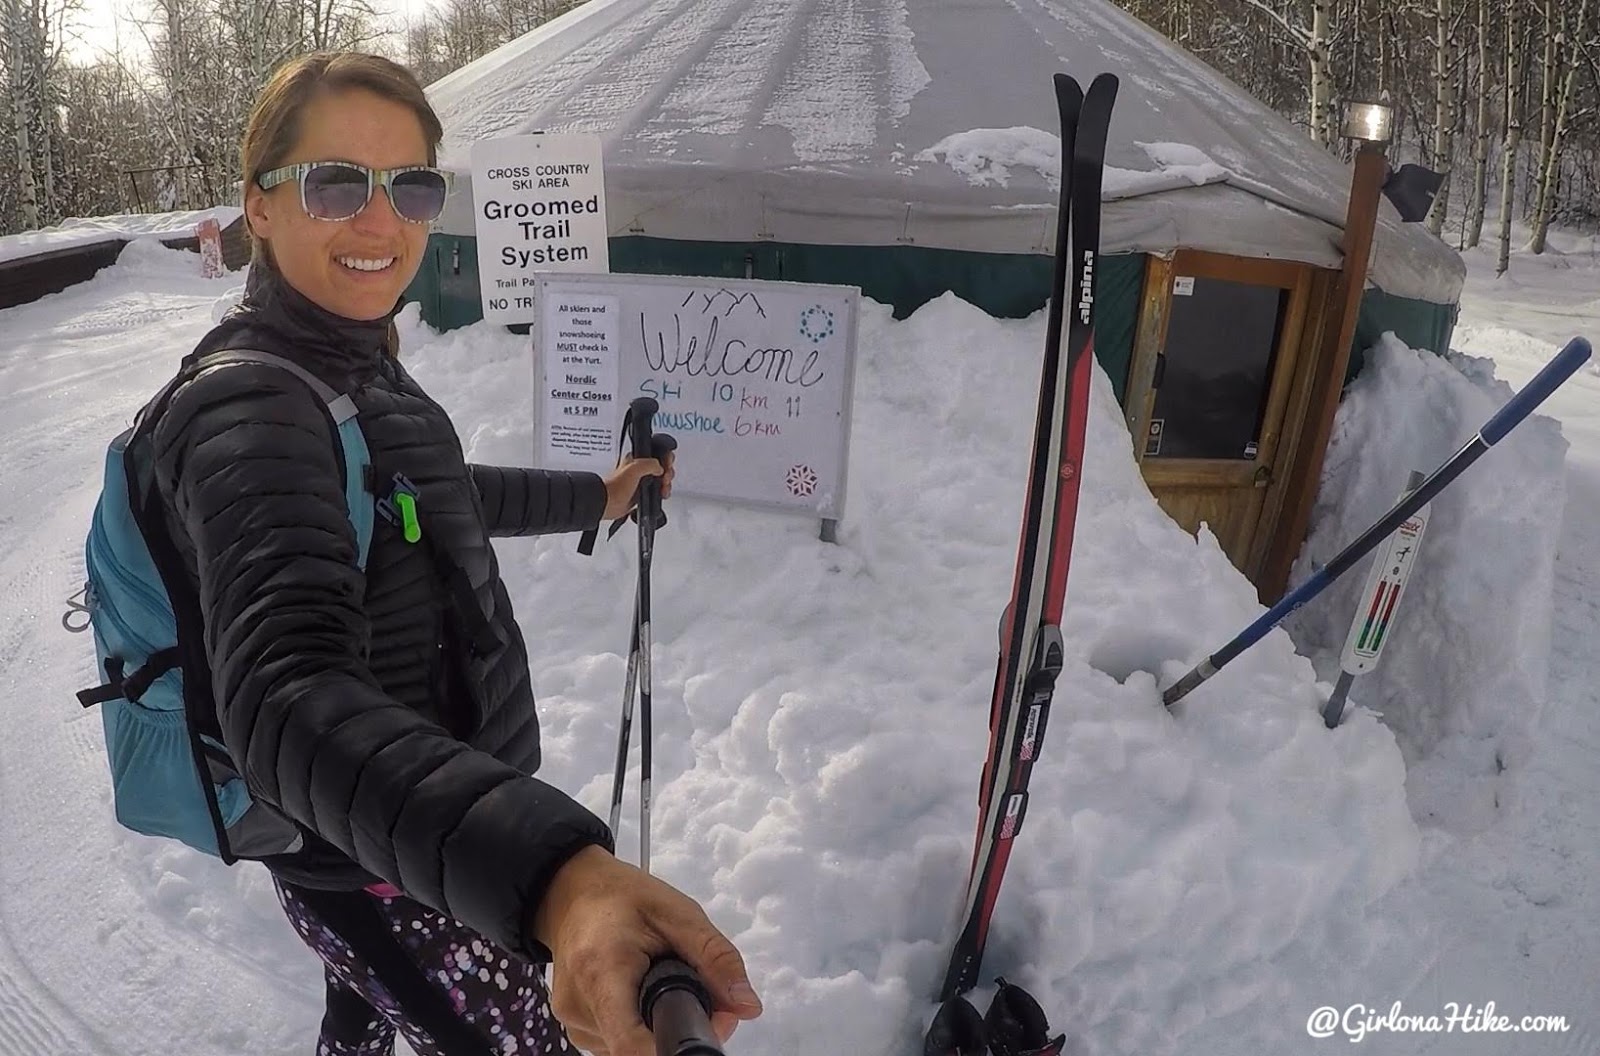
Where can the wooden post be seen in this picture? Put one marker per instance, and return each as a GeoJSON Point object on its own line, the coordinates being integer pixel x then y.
{"type": "Point", "coordinates": [1333, 360]}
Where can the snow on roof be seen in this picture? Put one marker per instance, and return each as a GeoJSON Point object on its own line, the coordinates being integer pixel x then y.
{"type": "Point", "coordinates": [86, 231]}
{"type": "Point", "coordinates": [878, 122]}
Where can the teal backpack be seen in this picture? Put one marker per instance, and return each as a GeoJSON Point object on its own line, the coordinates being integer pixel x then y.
{"type": "Point", "coordinates": [171, 775]}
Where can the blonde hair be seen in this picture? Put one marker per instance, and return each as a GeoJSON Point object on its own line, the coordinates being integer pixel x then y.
{"type": "Point", "coordinates": [274, 124]}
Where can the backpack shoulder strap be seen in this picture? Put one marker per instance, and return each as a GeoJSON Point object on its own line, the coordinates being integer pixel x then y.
{"type": "Point", "coordinates": [347, 434]}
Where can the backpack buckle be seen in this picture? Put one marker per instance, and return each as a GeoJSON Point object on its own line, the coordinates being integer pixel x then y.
{"type": "Point", "coordinates": [399, 508]}
{"type": "Point", "coordinates": [119, 685]}
{"type": "Point", "coordinates": [109, 690]}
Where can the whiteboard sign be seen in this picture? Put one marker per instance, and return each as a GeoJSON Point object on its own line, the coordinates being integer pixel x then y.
{"type": "Point", "coordinates": [539, 205]}
{"type": "Point", "coordinates": [754, 380]}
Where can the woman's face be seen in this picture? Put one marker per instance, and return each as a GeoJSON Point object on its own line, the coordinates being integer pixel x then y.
{"type": "Point", "coordinates": [350, 125]}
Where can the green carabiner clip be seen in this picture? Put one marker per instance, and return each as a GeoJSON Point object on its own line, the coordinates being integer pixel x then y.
{"type": "Point", "coordinates": [400, 508]}
{"type": "Point", "coordinates": [407, 504]}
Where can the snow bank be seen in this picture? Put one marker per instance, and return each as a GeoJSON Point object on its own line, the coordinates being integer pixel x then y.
{"type": "Point", "coordinates": [78, 231]}
{"type": "Point", "coordinates": [1463, 678]}
{"type": "Point", "coordinates": [821, 717]}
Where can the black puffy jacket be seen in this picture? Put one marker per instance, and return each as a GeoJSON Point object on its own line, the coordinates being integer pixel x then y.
{"type": "Point", "coordinates": [354, 703]}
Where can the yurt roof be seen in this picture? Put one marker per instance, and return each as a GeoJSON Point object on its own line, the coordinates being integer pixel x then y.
{"type": "Point", "coordinates": [883, 122]}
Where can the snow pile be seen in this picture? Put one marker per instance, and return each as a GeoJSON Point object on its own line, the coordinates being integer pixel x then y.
{"type": "Point", "coordinates": [1179, 166]}
{"type": "Point", "coordinates": [1182, 160]}
{"type": "Point", "coordinates": [1463, 677]}
{"type": "Point", "coordinates": [85, 232]}
{"type": "Point", "coordinates": [987, 155]}
{"type": "Point", "coordinates": [821, 717]}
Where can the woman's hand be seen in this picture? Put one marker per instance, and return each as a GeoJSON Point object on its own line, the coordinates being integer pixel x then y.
{"type": "Point", "coordinates": [622, 486]}
{"type": "Point", "coordinates": [603, 921]}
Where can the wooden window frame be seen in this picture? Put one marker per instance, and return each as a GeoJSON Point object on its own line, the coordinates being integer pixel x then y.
{"type": "Point", "coordinates": [1288, 396]}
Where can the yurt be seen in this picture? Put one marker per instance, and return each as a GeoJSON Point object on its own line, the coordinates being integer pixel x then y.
{"type": "Point", "coordinates": [910, 149]}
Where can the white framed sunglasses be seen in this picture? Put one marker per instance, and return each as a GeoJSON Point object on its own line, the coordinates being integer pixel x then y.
{"type": "Point", "coordinates": [338, 190]}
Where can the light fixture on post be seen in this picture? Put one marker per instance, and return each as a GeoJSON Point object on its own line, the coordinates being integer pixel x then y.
{"type": "Point", "coordinates": [1371, 125]}
{"type": "Point", "coordinates": [1368, 123]}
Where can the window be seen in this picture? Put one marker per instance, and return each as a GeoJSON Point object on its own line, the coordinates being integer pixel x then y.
{"type": "Point", "coordinates": [1216, 369]}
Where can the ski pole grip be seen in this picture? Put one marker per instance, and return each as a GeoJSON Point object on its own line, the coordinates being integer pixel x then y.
{"type": "Point", "coordinates": [641, 425]}
{"type": "Point", "coordinates": [661, 445]}
{"type": "Point", "coordinates": [641, 441]}
{"type": "Point", "coordinates": [676, 1006]}
{"type": "Point", "coordinates": [1558, 370]}
{"type": "Point", "coordinates": [637, 425]}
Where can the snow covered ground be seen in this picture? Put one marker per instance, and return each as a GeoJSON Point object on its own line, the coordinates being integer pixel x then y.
{"type": "Point", "coordinates": [1503, 906]}
{"type": "Point", "coordinates": [1196, 883]}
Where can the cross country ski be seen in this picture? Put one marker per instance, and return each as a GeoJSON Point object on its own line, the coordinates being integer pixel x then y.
{"type": "Point", "coordinates": [1031, 646]}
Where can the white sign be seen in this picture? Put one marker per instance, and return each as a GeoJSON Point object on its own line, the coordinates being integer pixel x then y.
{"type": "Point", "coordinates": [1183, 286]}
{"type": "Point", "coordinates": [1375, 616]}
{"type": "Point", "coordinates": [539, 203]}
{"type": "Point", "coordinates": [754, 380]}
{"type": "Point", "coordinates": [580, 381]}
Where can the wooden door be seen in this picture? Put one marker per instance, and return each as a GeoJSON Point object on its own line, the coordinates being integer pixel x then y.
{"type": "Point", "coordinates": [1219, 380]}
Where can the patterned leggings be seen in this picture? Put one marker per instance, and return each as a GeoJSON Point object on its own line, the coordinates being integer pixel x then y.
{"type": "Point", "coordinates": [393, 963]}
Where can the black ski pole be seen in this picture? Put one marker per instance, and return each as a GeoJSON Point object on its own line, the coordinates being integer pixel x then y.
{"type": "Point", "coordinates": [643, 443]}
{"type": "Point", "coordinates": [1558, 370]}
{"type": "Point", "coordinates": [644, 407]}
{"type": "Point", "coordinates": [658, 446]}
{"type": "Point", "coordinates": [625, 732]}
{"type": "Point", "coordinates": [641, 430]}
{"type": "Point", "coordinates": [673, 1002]}
{"type": "Point", "coordinates": [675, 1005]}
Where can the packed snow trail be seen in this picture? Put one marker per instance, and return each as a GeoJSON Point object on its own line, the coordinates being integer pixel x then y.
{"type": "Point", "coordinates": [160, 965]}
{"type": "Point", "coordinates": [36, 383]}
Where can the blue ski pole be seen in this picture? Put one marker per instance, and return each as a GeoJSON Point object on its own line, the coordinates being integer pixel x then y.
{"type": "Point", "coordinates": [1558, 370]}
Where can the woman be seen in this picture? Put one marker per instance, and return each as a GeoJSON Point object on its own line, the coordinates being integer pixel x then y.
{"type": "Point", "coordinates": [388, 712]}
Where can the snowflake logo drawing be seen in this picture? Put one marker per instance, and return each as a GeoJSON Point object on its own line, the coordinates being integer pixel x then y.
{"type": "Point", "coordinates": [816, 324]}
{"type": "Point", "coordinates": [802, 480]}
